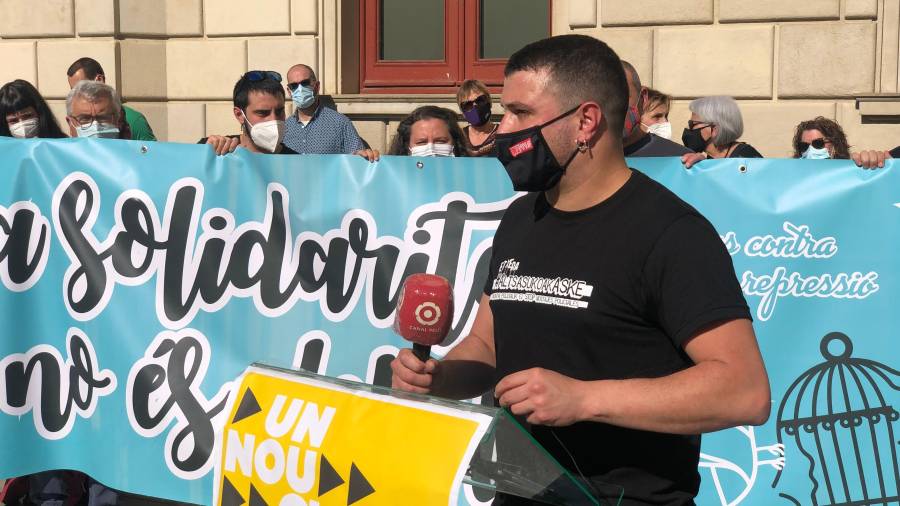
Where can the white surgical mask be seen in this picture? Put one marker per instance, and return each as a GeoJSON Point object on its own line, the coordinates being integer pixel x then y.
{"type": "Point", "coordinates": [303, 97]}
{"type": "Point", "coordinates": [267, 135]}
{"type": "Point", "coordinates": [25, 129]}
{"type": "Point", "coordinates": [97, 130]}
{"type": "Point", "coordinates": [430, 149]}
{"type": "Point", "coordinates": [663, 130]}
{"type": "Point", "coordinates": [812, 153]}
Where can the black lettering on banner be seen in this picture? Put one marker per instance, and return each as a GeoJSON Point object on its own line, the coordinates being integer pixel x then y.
{"type": "Point", "coordinates": [164, 386]}
{"type": "Point", "coordinates": [56, 391]}
{"type": "Point", "coordinates": [263, 260]}
{"type": "Point", "coordinates": [25, 236]}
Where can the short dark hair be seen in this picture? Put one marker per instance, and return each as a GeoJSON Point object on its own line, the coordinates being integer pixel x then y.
{"type": "Point", "coordinates": [581, 68]}
{"type": "Point", "coordinates": [400, 143]}
{"type": "Point", "coordinates": [831, 130]}
{"type": "Point", "coordinates": [19, 94]}
{"type": "Point", "coordinates": [91, 68]}
{"type": "Point", "coordinates": [242, 89]}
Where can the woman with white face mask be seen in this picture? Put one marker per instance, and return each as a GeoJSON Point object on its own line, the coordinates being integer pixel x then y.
{"type": "Point", "coordinates": [429, 131]}
{"type": "Point", "coordinates": [655, 119]}
{"type": "Point", "coordinates": [24, 113]}
{"type": "Point", "coordinates": [819, 139]}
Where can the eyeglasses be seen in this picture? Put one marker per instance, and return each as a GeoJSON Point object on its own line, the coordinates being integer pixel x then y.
{"type": "Point", "coordinates": [692, 124]}
{"type": "Point", "coordinates": [305, 82]}
{"type": "Point", "coordinates": [261, 75]}
{"type": "Point", "coordinates": [469, 104]}
{"type": "Point", "coordinates": [83, 121]}
{"type": "Point", "coordinates": [816, 143]}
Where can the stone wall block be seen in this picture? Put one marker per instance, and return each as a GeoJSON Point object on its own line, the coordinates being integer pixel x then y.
{"type": "Point", "coordinates": [204, 69]}
{"type": "Point", "coordinates": [689, 62]}
{"type": "Point", "coordinates": [157, 114]}
{"type": "Point", "coordinates": [374, 132]}
{"type": "Point", "coordinates": [281, 54]}
{"type": "Point", "coordinates": [861, 9]}
{"type": "Point", "coordinates": [879, 136]}
{"type": "Point", "coordinates": [95, 17]}
{"type": "Point", "coordinates": [18, 59]}
{"type": "Point", "coordinates": [770, 127]}
{"type": "Point", "coordinates": [220, 119]}
{"type": "Point", "coordinates": [172, 18]}
{"type": "Point", "coordinates": [582, 13]}
{"type": "Point", "coordinates": [144, 69]}
{"type": "Point", "coordinates": [305, 14]}
{"type": "Point", "coordinates": [232, 17]}
{"type": "Point", "coordinates": [826, 59]}
{"type": "Point", "coordinates": [186, 122]}
{"type": "Point", "coordinates": [36, 18]}
{"type": "Point", "coordinates": [655, 12]}
{"type": "Point", "coordinates": [632, 44]}
{"type": "Point", "coordinates": [55, 56]}
{"type": "Point", "coordinates": [772, 10]}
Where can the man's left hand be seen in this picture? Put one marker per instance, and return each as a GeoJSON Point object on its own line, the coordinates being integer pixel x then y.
{"type": "Point", "coordinates": [371, 155]}
{"type": "Point", "coordinates": [545, 397]}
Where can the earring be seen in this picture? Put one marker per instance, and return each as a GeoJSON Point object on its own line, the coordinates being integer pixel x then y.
{"type": "Point", "coordinates": [582, 146]}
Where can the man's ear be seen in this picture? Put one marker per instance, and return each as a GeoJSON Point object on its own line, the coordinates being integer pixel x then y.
{"type": "Point", "coordinates": [239, 115]}
{"type": "Point", "coordinates": [592, 120]}
{"type": "Point", "coordinates": [643, 100]}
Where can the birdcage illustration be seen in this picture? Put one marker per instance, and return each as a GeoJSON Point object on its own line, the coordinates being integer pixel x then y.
{"type": "Point", "coordinates": [839, 416]}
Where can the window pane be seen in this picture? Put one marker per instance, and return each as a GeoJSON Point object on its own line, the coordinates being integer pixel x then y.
{"type": "Point", "coordinates": [412, 30]}
{"type": "Point", "coordinates": [507, 25]}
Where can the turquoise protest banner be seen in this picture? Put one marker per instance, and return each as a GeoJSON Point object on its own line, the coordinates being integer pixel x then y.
{"type": "Point", "coordinates": [140, 279]}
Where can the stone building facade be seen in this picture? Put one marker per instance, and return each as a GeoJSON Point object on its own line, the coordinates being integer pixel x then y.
{"type": "Point", "coordinates": [177, 60]}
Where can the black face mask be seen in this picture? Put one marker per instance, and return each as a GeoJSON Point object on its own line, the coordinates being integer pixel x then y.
{"type": "Point", "coordinates": [528, 159]}
{"type": "Point", "coordinates": [693, 140]}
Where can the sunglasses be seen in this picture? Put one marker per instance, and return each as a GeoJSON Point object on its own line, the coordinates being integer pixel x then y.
{"type": "Point", "coordinates": [479, 100]}
{"type": "Point", "coordinates": [816, 143]}
{"type": "Point", "coordinates": [294, 86]}
{"type": "Point", "coordinates": [262, 75]}
{"type": "Point", "coordinates": [692, 124]}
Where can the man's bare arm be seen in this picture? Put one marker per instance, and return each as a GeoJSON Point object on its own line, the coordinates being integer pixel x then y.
{"type": "Point", "coordinates": [727, 386]}
{"type": "Point", "coordinates": [466, 372]}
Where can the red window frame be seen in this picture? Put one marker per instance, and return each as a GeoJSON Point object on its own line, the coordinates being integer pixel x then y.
{"type": "Point", "coordinates": [462, 25]}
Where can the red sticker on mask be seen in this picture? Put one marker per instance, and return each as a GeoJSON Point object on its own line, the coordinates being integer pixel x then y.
{"type": "Point", "coordinates": [521, 147]}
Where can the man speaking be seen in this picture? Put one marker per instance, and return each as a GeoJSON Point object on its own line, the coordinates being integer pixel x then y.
{"type": "Point", "coordinates": [612, 321]}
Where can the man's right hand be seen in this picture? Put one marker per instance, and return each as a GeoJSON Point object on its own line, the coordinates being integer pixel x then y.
{"type": "Point", "coordinates": [411, 374]}
{"type": "Point", "coordinates": [223, 145]}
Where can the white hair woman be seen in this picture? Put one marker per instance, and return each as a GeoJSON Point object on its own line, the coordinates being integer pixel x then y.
{"type": "Point", "coordinates": [715, 127]}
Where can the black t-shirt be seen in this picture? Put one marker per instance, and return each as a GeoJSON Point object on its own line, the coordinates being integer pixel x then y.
{"type": "Point", "coordinates": [744, 150]}
{"type": "Point", "coordinates": [283, 151]}
{"type": "Point", "coordinates": [652, 145]}
{"type": "Point", "coordinates": [895, 153]}
{"type": "Point", "coordinates": [611, 292]}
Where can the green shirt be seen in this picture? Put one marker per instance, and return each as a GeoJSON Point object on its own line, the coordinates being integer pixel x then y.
{"type": "Point", "coordinates": [140, 129]}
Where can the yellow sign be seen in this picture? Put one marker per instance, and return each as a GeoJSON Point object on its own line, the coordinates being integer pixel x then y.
{"type": "Point", "coordinates": [298, 441]}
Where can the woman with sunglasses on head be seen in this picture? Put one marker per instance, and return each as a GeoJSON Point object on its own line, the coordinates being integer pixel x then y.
{"type": "Point", "coordinates": [474, 101]}
{"type": "Point", "coordinates": [819, 139]}
{"type": "Point", "coordinates": [714, 129]}
{"type": "Point", "coordinates": [25, 114]}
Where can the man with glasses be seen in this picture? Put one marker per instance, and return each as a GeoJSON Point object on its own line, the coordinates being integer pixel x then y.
{"type": "Point", "coordinates": [314, 128]}
{"type": "Point", "coordinates": [89, 69]}
{"type": "Point", "coordinates": [93, 110]}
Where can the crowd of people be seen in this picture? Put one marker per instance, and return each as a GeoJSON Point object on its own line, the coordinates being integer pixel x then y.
{"type": "Point", "coordinates": [94, 109]}
{"type": "Point", "coordinates": [678, 356]}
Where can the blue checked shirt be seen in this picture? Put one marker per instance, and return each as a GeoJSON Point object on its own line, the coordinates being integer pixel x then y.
{"type": "Point", "coordinates": [328, 132]}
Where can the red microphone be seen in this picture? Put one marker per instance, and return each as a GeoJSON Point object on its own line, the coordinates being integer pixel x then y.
{"type": "Point", "coordinates": [424, 312]}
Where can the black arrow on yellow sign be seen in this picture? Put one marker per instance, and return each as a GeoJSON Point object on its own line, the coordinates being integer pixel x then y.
{"type": "Point", "coordinates": [249, 406]}
{"type": "Point", "coordinates": [329, 479]}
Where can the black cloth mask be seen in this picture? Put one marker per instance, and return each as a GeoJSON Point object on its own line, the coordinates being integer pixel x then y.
{"type": "Point", "coordinates": [528, 160]}
{"type": "Point", "coordinates": [693, 140]}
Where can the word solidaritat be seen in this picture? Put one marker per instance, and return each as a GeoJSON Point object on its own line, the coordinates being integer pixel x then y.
{"type": "Point", "coordinates": [260, 260]}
